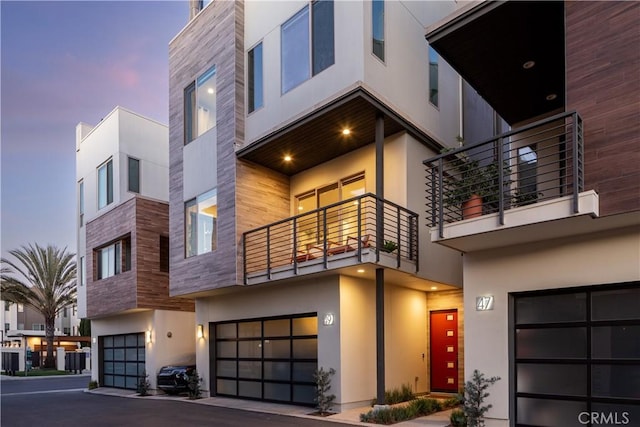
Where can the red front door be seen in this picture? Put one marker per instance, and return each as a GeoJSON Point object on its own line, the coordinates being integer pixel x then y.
{"type": "Point", "coordinates": [444, 350]}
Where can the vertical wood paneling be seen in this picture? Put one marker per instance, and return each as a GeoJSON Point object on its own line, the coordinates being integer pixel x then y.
{"type": "Point", "coordinates": [603, 85]}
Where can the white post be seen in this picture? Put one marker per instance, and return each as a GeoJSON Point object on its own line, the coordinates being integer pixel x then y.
{"type": "Point", "coordinates": [87, 353]}
{"type": "Point", "coordinates": [60, 357]}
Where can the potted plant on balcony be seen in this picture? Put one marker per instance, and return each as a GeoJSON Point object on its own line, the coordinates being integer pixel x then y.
{"type": "Point", "coordinates": [470, 187]}
{"type": "Point", "coordinates": [389, 246]}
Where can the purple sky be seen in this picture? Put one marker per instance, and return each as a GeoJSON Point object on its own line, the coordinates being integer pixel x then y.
{"type": "Point", "coordinates": [62, 63]}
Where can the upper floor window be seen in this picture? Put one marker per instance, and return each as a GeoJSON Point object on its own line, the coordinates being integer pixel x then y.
{"type": "Point", "coordinates": [255, 78]}
{"type": "Point", "coordinates": [200, 105]}
{"type": "Point", "coordinates": [105, 184]}
{"type": "Point", "coordinates": [38, 327]}
{"type": "Point", "coordinates": [81, 202]}
{"type": "Point", "coordinates": [134, 175]}
{"type": "Point", "coordinates": [307, 49]}
{"type": "Point", "coordinates": [433, 76]}
{"type": "Point", "coordinates": [7, 326]}
{"type": "Point", "coordinates": [81, 272]}
{"type": "Point", "coordinates": [377, 27]}
{"type": "Point", "coordinates": [7, 305]}
{"type": "Point", "coordinates": [65, 312]}
{"type": "Point", "coordinates": [113, 259]}
{"type": "Point", "coordinates": [164, 254]}
{"type": "Point", "coordinates": [201, 224]}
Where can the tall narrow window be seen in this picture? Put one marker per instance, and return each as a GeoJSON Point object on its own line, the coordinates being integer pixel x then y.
{"type": "Point", "coordinates": [527, 191]}
{"type": "Point", "coordinates": [433, 76]}
{"type": "Point", "coordinates": [105, 184]}
{"type": "Point", "coordinates": [81, 202]}
{"type": "Point", "coordinates": [134, 175]}
{"type": "Point", "coordinates": [190, 131]}
{"type": "Point", "coordinates": [377, 27]}
{"type": "Point", "coordinates": [255, 78]}
{"type": "Point", "coordinates": [164, 254]}
{"type": "Point", "coordinates": [322, 35]}
{"type": "Point", "coordinates": [82, 271]}
{"type": "Point", "coordinates": [201, 224]}
{"type": "Point", "coordinates": [307, 49]}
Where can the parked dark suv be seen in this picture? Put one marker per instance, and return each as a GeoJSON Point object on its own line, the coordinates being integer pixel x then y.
{"type": "Point", "coordinates": [175, 379]}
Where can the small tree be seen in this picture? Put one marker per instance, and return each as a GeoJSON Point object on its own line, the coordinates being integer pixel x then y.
{"type": "Point", "coordinates": [143, 384]}
{"type": "Point", "coordinates": [194, 385]}
{"type": "Point", "coordinates": [473, 398]}
{"type": "Point", "coordinates": [323, 385]}
{"type": "Point", "coordinates": [85, 328]}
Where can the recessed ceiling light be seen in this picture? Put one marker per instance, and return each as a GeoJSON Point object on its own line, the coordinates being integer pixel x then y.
{"type": "Point", "coordinates": [287, 158]}
{"type": "Point", "coordinates": [551, 97]}
{"type": "Point", "coordinates": [210, 90]}
{"type": "Point", "coordinates": [529, 64]}
{"type": "Point", "coordinates": [360, 270]}
{"type": "Point", "coordinates": [346, 131]}
{"type": "Point", "coordinates": [434, 288]}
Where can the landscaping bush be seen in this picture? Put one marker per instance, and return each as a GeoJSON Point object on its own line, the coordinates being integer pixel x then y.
{"type": "Point", "coordinates": [416, 408]}
{"type": "Point", "coordinates": [458, 419]}
{"type": "Point", "coordinates": [93, 384]}
{"type": "Point", "coordinates": [404, 394]}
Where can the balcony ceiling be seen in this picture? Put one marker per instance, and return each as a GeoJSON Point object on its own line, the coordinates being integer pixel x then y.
{"type": "Point", "coordinates": [317, 137]}
{"type": "Point", "coordinates": [489, 43]}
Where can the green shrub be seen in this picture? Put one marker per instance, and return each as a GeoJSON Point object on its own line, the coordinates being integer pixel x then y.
{"type": "Point", "coordinates": [403, 394]}
{"type": "Point", "coordinates": [194, 385]}
{"type": "Point", "coordinates": [452, 402]}
{"type": "Point", "coordinates": [93, 384]}
{"type": "Point", "coordinates": [458, 419]}
{"type": "Point", "coordinates": [323, 385]}
{"type": "Point", "coordinates": [416, 408]}
{"type": "Point", "coordinates": [143, 384]}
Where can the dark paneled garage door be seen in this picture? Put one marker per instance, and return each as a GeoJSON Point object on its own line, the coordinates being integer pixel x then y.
{"type": "Point", "coordinates": [269, 359]}
{"type": "Point", "coordinates": [577, 356]}
{"type": "Point", "coordinates": [122, 360]}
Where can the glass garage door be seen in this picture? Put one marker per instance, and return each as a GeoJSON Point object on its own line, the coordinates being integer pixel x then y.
{"type": "Point", "coordinates": [270, 359]}
{"type": "Point", "coordinates": [122, 360]}
{"type": "Point", "coordinates": [577, 356]}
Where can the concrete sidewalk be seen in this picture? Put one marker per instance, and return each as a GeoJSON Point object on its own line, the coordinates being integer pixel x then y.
{"type": "Point", "coordinates": [352, 416]}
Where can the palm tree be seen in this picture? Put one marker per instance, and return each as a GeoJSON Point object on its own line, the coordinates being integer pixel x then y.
{"type": "Point", "coordinates": [43, 278]}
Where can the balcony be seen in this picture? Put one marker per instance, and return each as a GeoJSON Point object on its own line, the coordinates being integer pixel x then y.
{"type": "Point", "coordinates": [364, 229]}
{"type": "Point", "coordinates": [521, 186]}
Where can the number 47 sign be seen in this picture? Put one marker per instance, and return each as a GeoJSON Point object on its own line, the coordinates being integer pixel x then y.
{"type": "Point", "coordinates": [484, 303]}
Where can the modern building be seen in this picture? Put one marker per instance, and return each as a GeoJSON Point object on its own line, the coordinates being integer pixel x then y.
{"type": "Point", "coordinates": [17, 317]}
{"type": "Point", "coordinates": [297, 132]}
{"type": "Point", "coordinates": [552, 258]}
{"type": "Point", "coordinates": [123, 260]}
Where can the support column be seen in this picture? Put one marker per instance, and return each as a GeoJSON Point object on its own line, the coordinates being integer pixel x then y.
{"type": "Point", "coordinates": [380, 367]}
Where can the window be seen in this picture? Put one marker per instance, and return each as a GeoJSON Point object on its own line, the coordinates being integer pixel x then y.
{"type": "Point", "coordinates": [105, 184]}
{"type": "Point", "coordinates": [200, 106]}
{"type": "Point", "coordinates": [201, 229]}
{"type": "Point", "coordinates": [111, 260]}
{"type": "Point", "coordinates": [66, 331]}
{"type": "Point", "coordinates": [527, 191]}
{"type": "Point", "coordinates": [255, 78]}
{"type": "Point", "coordinates": [164, 254]}
{"type": "Point", "coordinates": [433, 76]}
{"type": "Point", "coordinates": [81, 202]}
{"type": "Point", "coordinates": [21, 326]}
{"type": "Point", "coordinates": [307, 50]}
{"type": "Point", "coordinates": [20, 308]}
{"type": "Point", "coordinates": [377, 27]}
{"type": "Point", "coordinates": [7, 305]}
{"type": "Point", "coordinates": [134, 175]}
{"type": "Point", "coordinates": [74, 310]}
{"type": "Point", "coordinates": [37, 327]}
{"type": "Point", "coordinates": [82, 271]}
{"type": "Point", "coordinates": [7, 326]}
{"type": "Point", "coordinates": [65, 312]}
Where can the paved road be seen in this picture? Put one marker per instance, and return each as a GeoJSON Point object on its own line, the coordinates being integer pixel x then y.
{"type": "Point", "coordinates": [37, 384]}
{"type": "Point", "coordinates": [35, 406]}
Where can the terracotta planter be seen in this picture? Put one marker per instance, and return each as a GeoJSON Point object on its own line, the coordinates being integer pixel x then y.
{"type": "Point", "coordinates": [472, 208]}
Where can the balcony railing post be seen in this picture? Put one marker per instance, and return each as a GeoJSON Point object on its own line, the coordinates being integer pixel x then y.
{"type": "Point", "coordinates": [244, 257]}
{"type": "Point", "coordinates": [440, 198]}
{"type": "Point", "coordinates": [398, 231]}
{"type": "Point", "coordinates": [574, 146]}
{"type": "Point", "coordinates": [360, 201]}
{"type": "Point", "coordinates": [269, 252]}
{"type": "Point", "coordinates": [500, 155]}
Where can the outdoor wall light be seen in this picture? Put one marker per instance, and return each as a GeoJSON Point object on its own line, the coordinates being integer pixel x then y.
{"type": "Point", "coordinates": [200, 331]}
{"type": "Point", "coordinates": [148, 336]}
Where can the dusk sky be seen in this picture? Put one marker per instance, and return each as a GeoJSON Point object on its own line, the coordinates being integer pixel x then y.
{"type": "Point", "coordinates": [63, 63]}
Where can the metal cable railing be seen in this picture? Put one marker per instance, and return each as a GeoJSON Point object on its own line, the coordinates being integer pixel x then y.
{"type": "Point", "coordinates": [537, 162]}
{"type": "Point", "coordinates": [348, 227]}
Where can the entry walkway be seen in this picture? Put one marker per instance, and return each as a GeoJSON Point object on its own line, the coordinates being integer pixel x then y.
{"type": "Point", "coordinates": [352, 416]}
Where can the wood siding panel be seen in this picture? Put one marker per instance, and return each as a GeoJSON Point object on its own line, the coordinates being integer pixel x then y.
{"type": "Point", "coordinates": [603, 85]}
{"type": "Point", "coordinates": [144, 285]}
{"type": "Point", "coordinates": [214, 37]}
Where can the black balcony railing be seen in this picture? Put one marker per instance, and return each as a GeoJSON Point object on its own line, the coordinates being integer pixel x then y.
{"type": "Point", "coordinates": [537, 162]}
{"type": "Point", "coordinates": [342, 230]}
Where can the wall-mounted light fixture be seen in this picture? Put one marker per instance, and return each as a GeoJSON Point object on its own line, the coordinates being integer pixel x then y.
{"type": "Point", "coordinates": [148, 336]}
{"type": "Point", "coordinates": [200, 331]}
